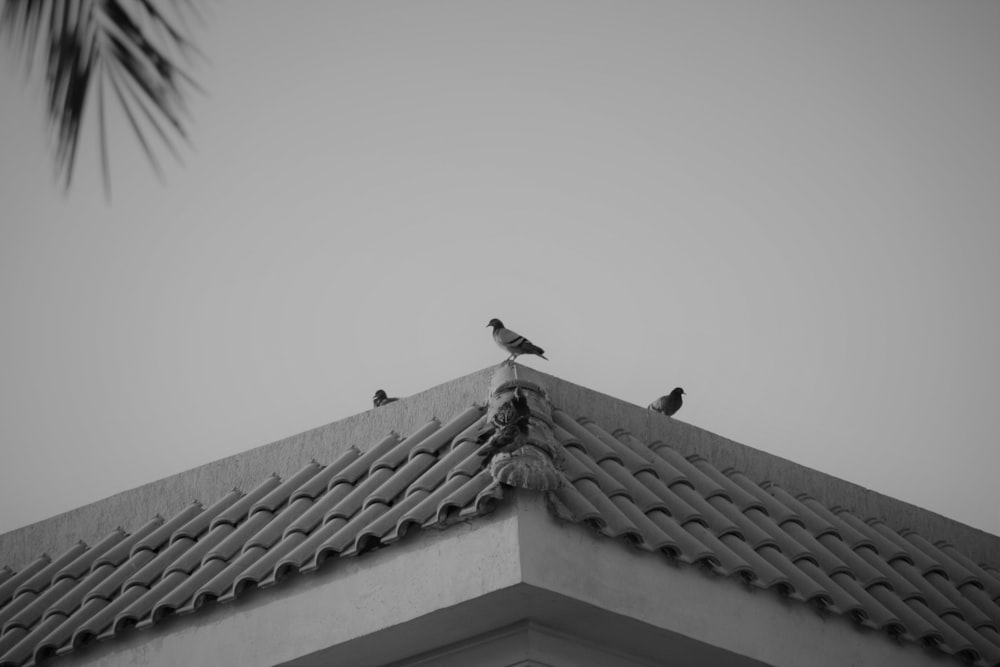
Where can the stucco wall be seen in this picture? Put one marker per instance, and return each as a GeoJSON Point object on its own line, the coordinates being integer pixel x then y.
{"type": "Point", "coordinates": [134, 507]}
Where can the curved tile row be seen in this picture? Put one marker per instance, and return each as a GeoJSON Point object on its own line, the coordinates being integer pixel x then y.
{"type": "Point", "coordinates": [649, 495]}
{"type": "Point", "coordinates": [895, 582]}
{"type": "Point", "coordinates": [244, 540]}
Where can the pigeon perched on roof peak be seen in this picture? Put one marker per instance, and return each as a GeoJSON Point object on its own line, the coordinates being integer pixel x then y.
{"type": "Point", "coordinates": [380, 398]}
{"type": "Point", "coordinates": [669, 404]}
{"type": "Point", "coordinates": [513, 342]}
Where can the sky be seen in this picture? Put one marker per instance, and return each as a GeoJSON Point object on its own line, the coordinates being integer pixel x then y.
{"type": "Point", "coordinates": [790, 209]}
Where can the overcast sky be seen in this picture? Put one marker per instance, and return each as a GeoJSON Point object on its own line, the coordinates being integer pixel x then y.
{"type": "Point", "coordinates": [791, 209]}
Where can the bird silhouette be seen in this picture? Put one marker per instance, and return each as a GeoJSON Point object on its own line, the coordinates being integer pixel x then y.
{"type": "Point", "coordinates": [507, 438]}
{"type": "Point", "coordinates": [669, 404]}
{"type": "Point", "coordinates": [380, 398]}
{"type": "Point", "coordinates": [513, 342]}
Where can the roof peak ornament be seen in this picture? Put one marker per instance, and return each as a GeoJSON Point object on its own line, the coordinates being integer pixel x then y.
{"type": "Point", "coordinates": [520, 440]}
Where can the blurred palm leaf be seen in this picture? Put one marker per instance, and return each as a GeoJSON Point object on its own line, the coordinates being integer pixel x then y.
{"type": "Point", "coordinates": [88, 46]}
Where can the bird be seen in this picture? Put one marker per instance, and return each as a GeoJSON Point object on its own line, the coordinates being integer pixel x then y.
{"type": "Point", "coordinates": [513, 342]}
{"type": "Point", "coordinates": [506, 439]}
{"type": "Point", "coordinates": [380, 398]}
{"type": "Point", "coordinates": [669, 404]}
{"type": "Point", "coordinates": [506, 414]}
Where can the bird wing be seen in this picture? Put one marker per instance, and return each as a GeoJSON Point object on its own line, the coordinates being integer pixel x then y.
{"type": "Point", "coordinates": [510, 338]}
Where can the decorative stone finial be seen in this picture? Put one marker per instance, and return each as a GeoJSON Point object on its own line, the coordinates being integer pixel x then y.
{"type": "Point", "coordinates": [521, 444]}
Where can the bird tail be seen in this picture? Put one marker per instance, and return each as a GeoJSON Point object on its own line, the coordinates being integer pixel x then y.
{"type": "Point", "coordinates": [534, 349]}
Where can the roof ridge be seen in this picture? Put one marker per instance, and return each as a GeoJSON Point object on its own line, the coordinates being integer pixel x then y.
{"type": "Point", "coordinates": [653, 496]}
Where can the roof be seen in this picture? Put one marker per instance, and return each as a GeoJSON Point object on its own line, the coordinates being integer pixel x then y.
{"type": "Point", "coordinates": [644, 493]}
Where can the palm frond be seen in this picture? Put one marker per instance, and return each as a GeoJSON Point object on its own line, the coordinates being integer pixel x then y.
{"type": "Point", "coordinates": [133, 44]}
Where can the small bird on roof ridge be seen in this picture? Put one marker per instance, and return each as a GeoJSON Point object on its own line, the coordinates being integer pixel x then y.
{"type": "Point", "coordinates": [380, 398]}
{"type": "Point", "coordinates": [513, 342]}
{"type": "Point", "coordinates": [507, 438]}
{"type": "Point", "coordinates": [669, 404]}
